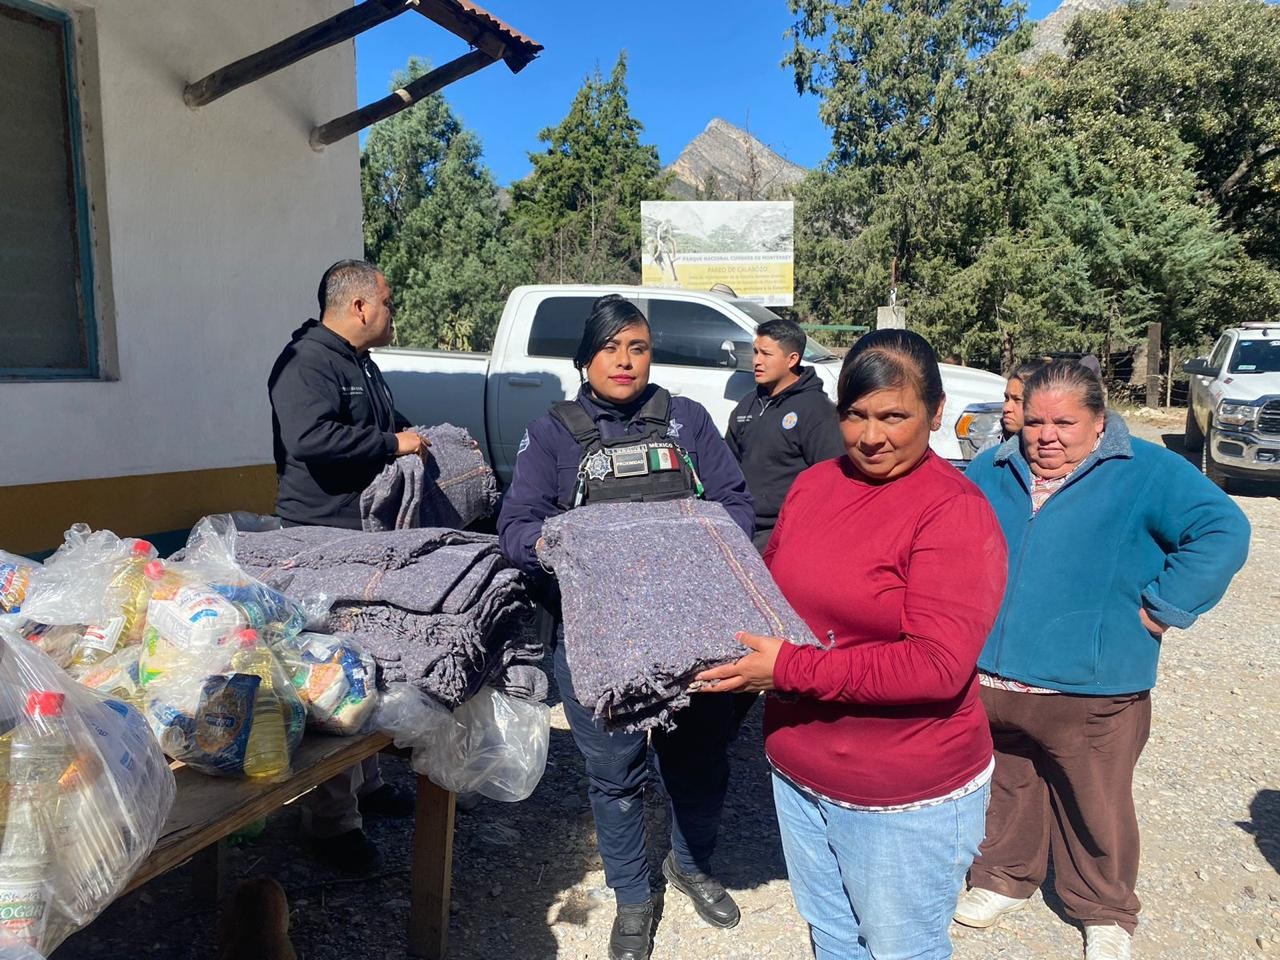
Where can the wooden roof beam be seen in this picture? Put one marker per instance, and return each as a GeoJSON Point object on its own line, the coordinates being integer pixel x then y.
{"type": "Point", "coordinates": [401, 99]}
{"type": "Point", "coordinates": [336, 29]}
{"type": "Point", "coordinates": [491, 42]}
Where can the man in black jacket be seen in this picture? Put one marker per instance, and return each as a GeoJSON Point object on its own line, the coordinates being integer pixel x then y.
{"type": "Point", "coordinates": [334, 427]}
{"type": "Point", "coordinates": [333, 423]}
{"type": "Point", "coordinates": [784, 426]}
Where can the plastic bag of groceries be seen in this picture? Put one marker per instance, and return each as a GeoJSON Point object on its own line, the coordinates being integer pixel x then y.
{"type": "Point", "coordinates": [114, 674]}
{"type": "Point", "coordinates": [94, 578]}
{"type": "Point", "coordinates": [58, 641]}
{"type": "Point", "coordinates": [210, 556]}
{"type": "Point", "coordinates": [336, 679]}
{"type": "Point", "coordinates": [492, 744]}
{"type": "Point", "coordinates": [334, 676]}
{"type": "Point", "coordinates": [15, 578]}
{"type": "Point", "coordinates": [217, 697]}
{"type": "Point", "coordinates": [85, 794]}
{"type": "Point", "coordinates": [117, 677]}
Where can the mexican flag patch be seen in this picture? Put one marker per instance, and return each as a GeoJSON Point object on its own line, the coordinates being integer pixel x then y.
{"type": "Point", "coordinates": [663, 458]}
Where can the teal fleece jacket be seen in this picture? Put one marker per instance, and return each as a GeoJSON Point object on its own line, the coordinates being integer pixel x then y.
{"type": "Point", "coordinates": [1135, 525]}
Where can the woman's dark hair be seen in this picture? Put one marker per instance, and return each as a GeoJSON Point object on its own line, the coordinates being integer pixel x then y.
{"type": "Point", "coordinates": [610, 315]}
{"type": "Point", "coordinates": [1068, 375]}
{"type": "Point", "coordinates": [1023, 371]}
{"type": "Point", "coordinates": [884, 359]}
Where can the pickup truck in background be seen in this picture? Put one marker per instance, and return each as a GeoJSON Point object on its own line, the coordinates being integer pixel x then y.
{"type": "Point", "coordinates": [1233, 408]}
{"type": "Point", "coordinates": [701, 350]}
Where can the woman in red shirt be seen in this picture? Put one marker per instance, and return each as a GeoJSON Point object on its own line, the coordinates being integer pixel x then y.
{"type": "Point", "coordinates": [880, 749]}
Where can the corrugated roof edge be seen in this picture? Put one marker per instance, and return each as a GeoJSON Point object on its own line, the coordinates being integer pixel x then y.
{"type": "Point", "coordinates": [525, 48]}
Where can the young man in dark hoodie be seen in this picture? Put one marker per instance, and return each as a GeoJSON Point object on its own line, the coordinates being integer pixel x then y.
{"type": "Point", "coordinates": [334, 427]}
{"type": "Point", "coordinates": [784, 426]}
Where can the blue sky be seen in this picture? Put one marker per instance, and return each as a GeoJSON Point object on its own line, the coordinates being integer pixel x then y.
{"type": "Point", "coordinates": [715, 58]}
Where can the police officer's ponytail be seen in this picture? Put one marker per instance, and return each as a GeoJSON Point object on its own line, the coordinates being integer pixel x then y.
{"type": "Point", "coordinates": [610, 315]}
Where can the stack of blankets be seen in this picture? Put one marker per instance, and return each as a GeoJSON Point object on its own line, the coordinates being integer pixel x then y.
{"type": "Point", "coordinates": [653, 593]}
{"type": "Point", "coordinates": [452, 487]}
{"type": "Point", "coordinates": [438, 608]}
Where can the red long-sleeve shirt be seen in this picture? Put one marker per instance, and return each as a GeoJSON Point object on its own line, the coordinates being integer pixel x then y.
{"type": "Point", "coordinates": [907, 576]}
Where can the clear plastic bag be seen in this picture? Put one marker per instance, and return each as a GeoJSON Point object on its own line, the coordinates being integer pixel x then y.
{"type": "Point", "coordinates": [493, 744]}
{"type": "Point", "coordinates": [15, 578]}
{"type": "Point", "coordinates": [336, 679]}
{"type": "Point", "coordinates": [253, 522]}
{"type": "Point", "coordinates": [223, 705]}
{"type": "Point", "coordinates": [117, 676]}
{"type": "Point", "coordinates": [86, 793]}
{"type": "Point", "coordinates": [58, 641]}
{"type": "Point", "coordinates": [93, 578]}
{"type": "Point", "coordinates": [210, 556]}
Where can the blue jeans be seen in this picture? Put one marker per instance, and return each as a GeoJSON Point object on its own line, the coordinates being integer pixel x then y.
{"type": "Point", "coordinates": [693, 762]}
{"type": "Point", "coordinates": [878, 886]}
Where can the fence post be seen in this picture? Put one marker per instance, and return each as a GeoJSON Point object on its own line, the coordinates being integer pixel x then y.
{"type": "Point", "coordinates": [1153, 364]}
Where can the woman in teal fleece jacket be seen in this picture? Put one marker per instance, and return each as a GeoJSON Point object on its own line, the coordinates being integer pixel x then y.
{"type": "Point", "coordinates": [1112, 540]}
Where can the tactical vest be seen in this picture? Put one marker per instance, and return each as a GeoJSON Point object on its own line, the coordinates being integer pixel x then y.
{"type": "Point", "coordinates": [640, 467]}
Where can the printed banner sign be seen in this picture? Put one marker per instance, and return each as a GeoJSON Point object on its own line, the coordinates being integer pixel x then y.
{"type": "Point", "coordinates": [746, 244]}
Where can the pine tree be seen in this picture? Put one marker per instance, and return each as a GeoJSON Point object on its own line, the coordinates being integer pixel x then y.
{"type": "Point", "coordinates": [580, 207]}
{"type": "Point", "coordinates": [434, 225]}
{"type": "Point", "coordinates": [1058, 208]}
{"type": "Point", "coordinates": [898, 84]}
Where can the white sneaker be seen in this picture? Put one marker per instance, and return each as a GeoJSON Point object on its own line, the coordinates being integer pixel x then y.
{"type": "Point", "coordinates": [1108, 942]}
{"type": "Point", "coordinates": [982, 908]}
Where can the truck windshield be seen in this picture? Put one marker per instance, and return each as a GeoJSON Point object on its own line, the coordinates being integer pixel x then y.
{"type": "Point", "coordinates": [814, 352]}
{"type": "Point", "coordinates": [1256, 356]}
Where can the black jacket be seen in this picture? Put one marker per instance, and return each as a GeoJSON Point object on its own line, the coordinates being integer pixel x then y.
{"type": "Point", "coordinates": [333, 426]}
{"type": "Point", "coordinates": [774, 438]}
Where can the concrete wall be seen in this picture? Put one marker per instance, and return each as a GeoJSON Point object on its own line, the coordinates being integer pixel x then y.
{"type": "Point", "coordinates": [212, 229]}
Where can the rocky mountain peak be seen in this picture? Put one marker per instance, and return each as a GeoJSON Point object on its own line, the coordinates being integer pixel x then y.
{"type": "Point", "coordinates": [725, 162]}
{"type": "Point", "coordinates": [1051, 32]}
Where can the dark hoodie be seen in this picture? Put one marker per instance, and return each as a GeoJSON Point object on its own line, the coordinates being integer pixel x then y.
{"type": "Point", "coordinates": [333, 425]}
{"type": "Point", "coordinates": [774, 438]}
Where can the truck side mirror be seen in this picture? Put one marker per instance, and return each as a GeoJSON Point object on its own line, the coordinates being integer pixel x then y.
{"type": "Point", "coordinates": [1199, 367]}
{"type": "Point", "coordinates": [739, 356]}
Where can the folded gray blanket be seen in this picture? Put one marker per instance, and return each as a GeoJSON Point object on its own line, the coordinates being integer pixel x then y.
{"type": "Point", "coordinates": [447, 655]}
{"type": "Point", "coordinates": [653, 593]}
{"type": "Point", "coordinates": [438, 608]}
{"type": "Point", "coordinates": [425, 570]}
{"type": "Point", "coordinates": [452, 487]}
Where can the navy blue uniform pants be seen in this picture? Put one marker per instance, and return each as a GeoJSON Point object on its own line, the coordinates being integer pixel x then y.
{"type": "Point", "coordinates": [692, 761]}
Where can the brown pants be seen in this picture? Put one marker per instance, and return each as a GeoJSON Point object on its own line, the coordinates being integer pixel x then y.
{"type": "Point", "coordinates": [1064, 784]}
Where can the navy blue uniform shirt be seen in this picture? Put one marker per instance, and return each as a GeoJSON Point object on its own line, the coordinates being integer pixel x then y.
{"type": "Point", "coordinates": [547, 470]}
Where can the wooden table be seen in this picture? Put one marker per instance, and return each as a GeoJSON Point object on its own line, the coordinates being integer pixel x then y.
{"type": "Point", "coordinates": [208, 809]}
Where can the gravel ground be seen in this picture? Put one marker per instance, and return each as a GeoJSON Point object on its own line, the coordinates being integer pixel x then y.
{"type": "Point", "coordinates": [528, 882]}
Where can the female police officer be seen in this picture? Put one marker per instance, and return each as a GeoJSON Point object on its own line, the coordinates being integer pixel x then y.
{"type": "Point", "coordinates": [578, 454]}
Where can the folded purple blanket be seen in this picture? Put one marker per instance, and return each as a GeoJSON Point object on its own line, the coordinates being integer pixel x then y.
{"type": "Point", "coordinates": [653, 593]}
{"type": "Point", "coordinates": [452, 487]}
{"type": "Point", "coordinates": [438, 608]}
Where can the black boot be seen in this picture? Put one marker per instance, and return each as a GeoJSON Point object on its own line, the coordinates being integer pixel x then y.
{"type": "Point", "coordinates": [387, 801]}
{"type": "Point", "coordinates": [351, 852]}
{"type": "Point", "coordinates": [632, 932]}
{"type": "Point", "coordinates": [710, 898]}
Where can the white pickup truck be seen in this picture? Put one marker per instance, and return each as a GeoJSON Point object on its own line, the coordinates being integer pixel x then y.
{"type": "Point", "coordinates": [701, 350]}
{"type": "Point", "coordinates": [1233, 411]}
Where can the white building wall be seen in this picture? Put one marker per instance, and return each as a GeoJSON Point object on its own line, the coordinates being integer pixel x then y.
{"type": "Point", "coordinates": [219, 222]}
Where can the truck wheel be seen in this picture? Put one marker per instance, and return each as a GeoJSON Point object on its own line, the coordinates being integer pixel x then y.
{"type": "Point", "coordinates": [1193, 437]}
{"type": "Point", "coordinates": [1210, 466]}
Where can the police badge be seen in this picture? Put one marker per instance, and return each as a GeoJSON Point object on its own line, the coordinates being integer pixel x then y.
{"type": "Point", "coordinates": [598, 465]}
